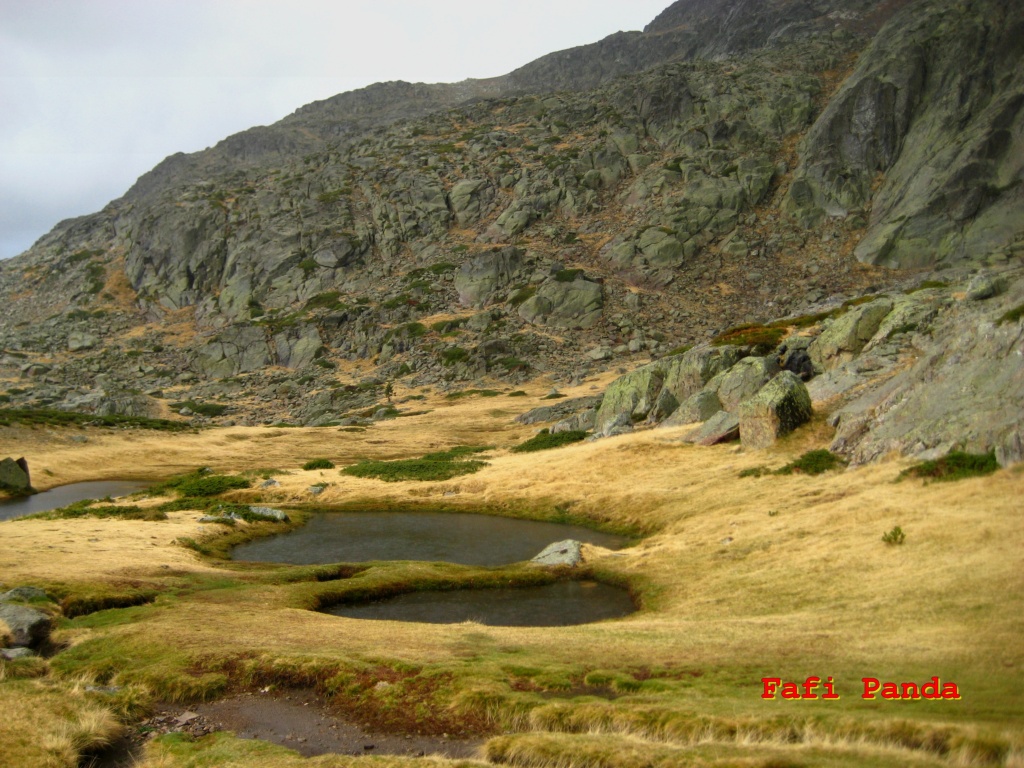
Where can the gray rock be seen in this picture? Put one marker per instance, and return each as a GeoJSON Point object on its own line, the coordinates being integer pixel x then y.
{"type": "Point", "coordinates": [269, 513]}
{"type": "Point", "coordinates": [632, 395]}
{"type": "Point", "coordinates": [743, 380]}
{"type": "Point", "coordinates": [849, 334]}
{"type": "Point", "coordinates": [315, 490]}
{"type": "Point", "coordinates": [484, 276]}
{"type": "Point", "coordinates": [561, 553]}
{"type": "Point", "coordinates": [723, 427]}
{"type": "Point", "coordinates": [781, 406]}
{"type": "Point", "coordinates": [297, 347]}
{"type": "Point", "coordinates": [985, 286]}
{"type": "Point", "coordinates": [560, 410]}
{"type": "Point", "coordinates": [14, 475]}
{"type": "Point", "coordinates": [470, 200]}
{"type": "Point", "coordinates": [620, 425]}
{"type": "Point", "coordinates": [699, 407]}
{"type": "Point", "coordinates": [237, 349]}
{"type": "Point", "coordinates": [80, 340]}
{"type": "Point", "coordinates": [28, 626]}
{"type": "Point", "coordinates": [24, 594]}
{"type": "Point", "coordinates": [575, 304]}
{"type": "Point", "coordinates": [270, 483]}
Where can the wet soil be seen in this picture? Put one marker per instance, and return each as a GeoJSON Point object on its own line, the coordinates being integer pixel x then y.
{"type": "Point", "coordinates": [299, 720]}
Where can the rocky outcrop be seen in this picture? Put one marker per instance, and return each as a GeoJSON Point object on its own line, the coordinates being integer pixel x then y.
{"type": "Point", "coordinates": [235, 350]}
{"type": "Point", "coordinates": [848, 335]}
{"type": "Point", "coordinates": [481, 278]}
{"type": "Point", "coordinates": [777, 409]}
{"type": "Point", "coordinates": [965, 391]}
{"type": "Point", "coordinates": [935, 109]}
{"type": "Point", "coordinates": [14, 476]}
{"type": "Point", "coordinates": [564, 304]}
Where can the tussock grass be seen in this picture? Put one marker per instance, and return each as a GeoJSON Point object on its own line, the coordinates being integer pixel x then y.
{"type": "Point", "coordinates": [91, 508]}
{"type": "Point", "coordinates": [544, 440]}
{"type": "Point", "coordinates": [54, 418]}
{"type": "Point", "coordinates": [49, 724]}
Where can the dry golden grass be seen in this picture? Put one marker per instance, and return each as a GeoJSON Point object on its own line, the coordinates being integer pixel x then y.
{"type": "Point", "coordinates": [49, 724]}
{"type": "Point", "coordinates": [739, 578]}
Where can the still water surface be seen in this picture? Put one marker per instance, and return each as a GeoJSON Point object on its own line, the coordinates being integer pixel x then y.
{"type": "Point", "coordinates": [553, 605]}
{"type": "Point", "coordinates": [67, 494]}
{"type": "Point", "coordinates": [355, 537]}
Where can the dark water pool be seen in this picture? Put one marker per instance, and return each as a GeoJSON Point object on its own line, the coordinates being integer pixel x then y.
{"type": "Point", "coordinates": [67, 494]}
{"type": "Point", "coordinates": [553, 605]}
{"type": "Point", "coordinates": [354, 537]}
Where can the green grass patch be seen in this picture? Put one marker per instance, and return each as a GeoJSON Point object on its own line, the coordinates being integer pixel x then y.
{"type": "Point", "coordinates": [454, 355]}
{"type": "Point", "coordinates": [545, 439]}
{"type": "Point", "coordinates": [200, 483]}
{"type": "Point", "coordinates": [926, 285]}
{"type": "Point", "coordinates": [956, 465]}
{"type": "Point", "coordinates": [92, 508]}
{"type": "Point", "coordinates": [54, 418]}
{"type": "Point", "coordinates": [522, 295]}
{"type": "Point", "coordinates": [518, 393]}
{"type": "Point", "coordinates": [1013, 316]}
{"type": "Point", "coordinates": [762, 338]}
{"type": "Point", "coordinates": [567, 275]}
{"type": "Point", "coordinates": [471, 393]}
{"type": "Point", "coordinates": [442, 465]}
{"type": "Point", "coordinates": [329, 301]}
{"type": "Point", "coordinates": [813, 463]}
{"type": "Point", "coordinates": [203, 409]}
{"type": "Point", "coordinates": [318, 464]}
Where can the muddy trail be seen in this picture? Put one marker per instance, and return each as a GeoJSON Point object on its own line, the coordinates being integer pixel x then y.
{"type": "Point", "coordinates": [296, 719]}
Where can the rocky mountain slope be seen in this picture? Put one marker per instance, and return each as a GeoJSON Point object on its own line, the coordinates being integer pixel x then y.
{"type": "Point", "coordinates": [735, 162]}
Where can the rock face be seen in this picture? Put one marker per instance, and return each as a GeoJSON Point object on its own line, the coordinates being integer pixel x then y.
{"type": "Point", "coordinates": [781, 406]}
{"type": "Point", "coordinates": [14, 476]}
{"type": "Point", "coordinates": [572, 304]}
{"type": "Point", "coordinates": [938, 64]}
{"type": "Point", "coordinates": [966, 391]}
{"type": "Point", "coordinates": [481, 278]}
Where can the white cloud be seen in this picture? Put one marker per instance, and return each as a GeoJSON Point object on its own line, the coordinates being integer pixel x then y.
{"type": "Point", "coordinates": [96, 92]}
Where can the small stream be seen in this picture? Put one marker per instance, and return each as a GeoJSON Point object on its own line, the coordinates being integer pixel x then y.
{"type": "Point", "coordinates": [67, 494]}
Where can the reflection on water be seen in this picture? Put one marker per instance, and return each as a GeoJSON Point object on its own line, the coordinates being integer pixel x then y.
{"type": "Point", "coordinates": [354, 537]}
{"type": "Point", "coordinates": [67, 494]}
{"type": "Point", "coordinates": [553, 605]}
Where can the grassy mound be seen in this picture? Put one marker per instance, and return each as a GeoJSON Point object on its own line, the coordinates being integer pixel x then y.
{"type": "Point", "coordinates": [443, 465]}
{"type": "Point", "coordinates": [957, 465]}
{"type": "Point", "coordinates": [544, 440]}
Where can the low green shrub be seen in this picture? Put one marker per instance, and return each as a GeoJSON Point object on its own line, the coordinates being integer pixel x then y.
{"type": "Point", "coordinates": [813, 463]}
{"type": "Point", "coordinates": [1013, 316]}
{"type": "Point", "coordinates": [442, 465]}
{"type": "Point", "coordinates": [545, 439]}
{"type": "Point", "coordinates": [762, 338]}
{"type": "Point", "coordinates": [318, 464]}
{"type": "Point", "coordinates": [956, 465]}
{"type": "Point", "coordinates": [90, 508]}
{"type": "Point", "coordinates": [894, 537]}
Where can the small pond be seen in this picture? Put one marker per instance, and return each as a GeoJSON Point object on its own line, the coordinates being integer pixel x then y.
{"type": "Point", "coordinates": [553, 605]}
{"type": "Point", "coordinates": [67, 494]}
{"type": "Point", "coordinates": [355, 537]}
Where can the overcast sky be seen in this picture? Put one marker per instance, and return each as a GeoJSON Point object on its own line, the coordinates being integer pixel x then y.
{"type": "Point", "coordinates": [94, 93]}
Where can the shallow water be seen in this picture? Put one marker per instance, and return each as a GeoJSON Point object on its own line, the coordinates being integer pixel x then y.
{"type": "Point", "coordinates": [67, 494]}
{"type": "Point", "coordinates": [553, 605]}
{"type": "Point", "coordinates": [355, 537]}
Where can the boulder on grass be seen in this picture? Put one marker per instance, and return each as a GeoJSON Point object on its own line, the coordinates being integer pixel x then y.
{"type": "Point", "coordinates": [723, 427]}
{"type": "Point", "coordinates": [782, 405]}
{"type": "Point", "coordinates": [27, 625]}
{"type": "Point", "coordinates": [14, 476]}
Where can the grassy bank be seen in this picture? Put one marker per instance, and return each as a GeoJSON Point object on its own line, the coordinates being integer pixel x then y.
{"type": "Point", "coordinates": [778, 575]}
